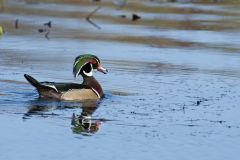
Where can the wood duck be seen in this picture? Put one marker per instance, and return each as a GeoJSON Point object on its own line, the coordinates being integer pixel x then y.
{"type": "Point", "coordinates": [89, 89]}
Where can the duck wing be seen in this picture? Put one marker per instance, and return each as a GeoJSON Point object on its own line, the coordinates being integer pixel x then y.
{"type": "Point", "coordinates": [73, 91]}
{"type": "Point", "coordinates": [52, 89]}
{"type": "Point", "coordinates": [63, 87]}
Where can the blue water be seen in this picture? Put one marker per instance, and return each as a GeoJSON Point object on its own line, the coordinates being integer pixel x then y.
{"type": "Point", "coordinates": [177, 99]}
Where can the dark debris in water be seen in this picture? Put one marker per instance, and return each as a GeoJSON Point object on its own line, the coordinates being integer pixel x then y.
{"type": "Point", "coordinates": [46, 29]}
{"type": "Point", "coordinates": [220, 121]}
{"type": "Point", "coordinates": [123, 16]}
{"type": "Point", "coordinates": [42, 30]}
{"type": "Point", "coordinates": [190, 125]}
{"type": "Point", "coordinates": [16, 24]}
{"type": "Point", "coordinates": [200, 101]}
{"type": "Point", "coordinates": [141, 114]}
{"type": "Point", "coordinates": [48, 24]}
{"type": "Point", "coordinates": [135, 17]}
{"type": "Point", "coordinates": [28, 115]}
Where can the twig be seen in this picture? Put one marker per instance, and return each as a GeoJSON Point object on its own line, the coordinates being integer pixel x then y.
{"type": "Point", "coordinates": [16, 23]}
{"type": "Point", "coordinates": [89, 16]}
{"type": "Point", "coordinates": [46, 35]}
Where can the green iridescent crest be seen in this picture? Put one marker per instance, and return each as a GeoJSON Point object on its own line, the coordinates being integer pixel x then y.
{"type": "Point", "coordinates": [81, 60]}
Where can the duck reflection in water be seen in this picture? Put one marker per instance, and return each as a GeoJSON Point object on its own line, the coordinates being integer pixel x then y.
{"type": "Point", "coordinates": [81, 124]}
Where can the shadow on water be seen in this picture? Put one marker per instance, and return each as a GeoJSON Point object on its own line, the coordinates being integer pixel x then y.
{"type": "Point", "coordinates": [82, 123]}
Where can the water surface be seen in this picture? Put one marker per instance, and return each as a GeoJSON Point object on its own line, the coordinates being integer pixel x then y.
{"type": "Point", "coordinates": [172, 91]}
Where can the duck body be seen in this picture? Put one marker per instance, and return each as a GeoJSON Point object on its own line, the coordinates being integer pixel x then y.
{"type": "Point", "coordinates": [90, 89]}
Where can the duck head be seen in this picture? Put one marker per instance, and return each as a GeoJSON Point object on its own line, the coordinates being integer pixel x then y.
{"type": "Point", "coordinates": [85, 64]}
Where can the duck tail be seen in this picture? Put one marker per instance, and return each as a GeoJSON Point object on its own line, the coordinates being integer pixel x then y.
{"type": "Point", "coordinates": [43, 90]}
{"type": "Point", "coordinates": [32, 81]}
